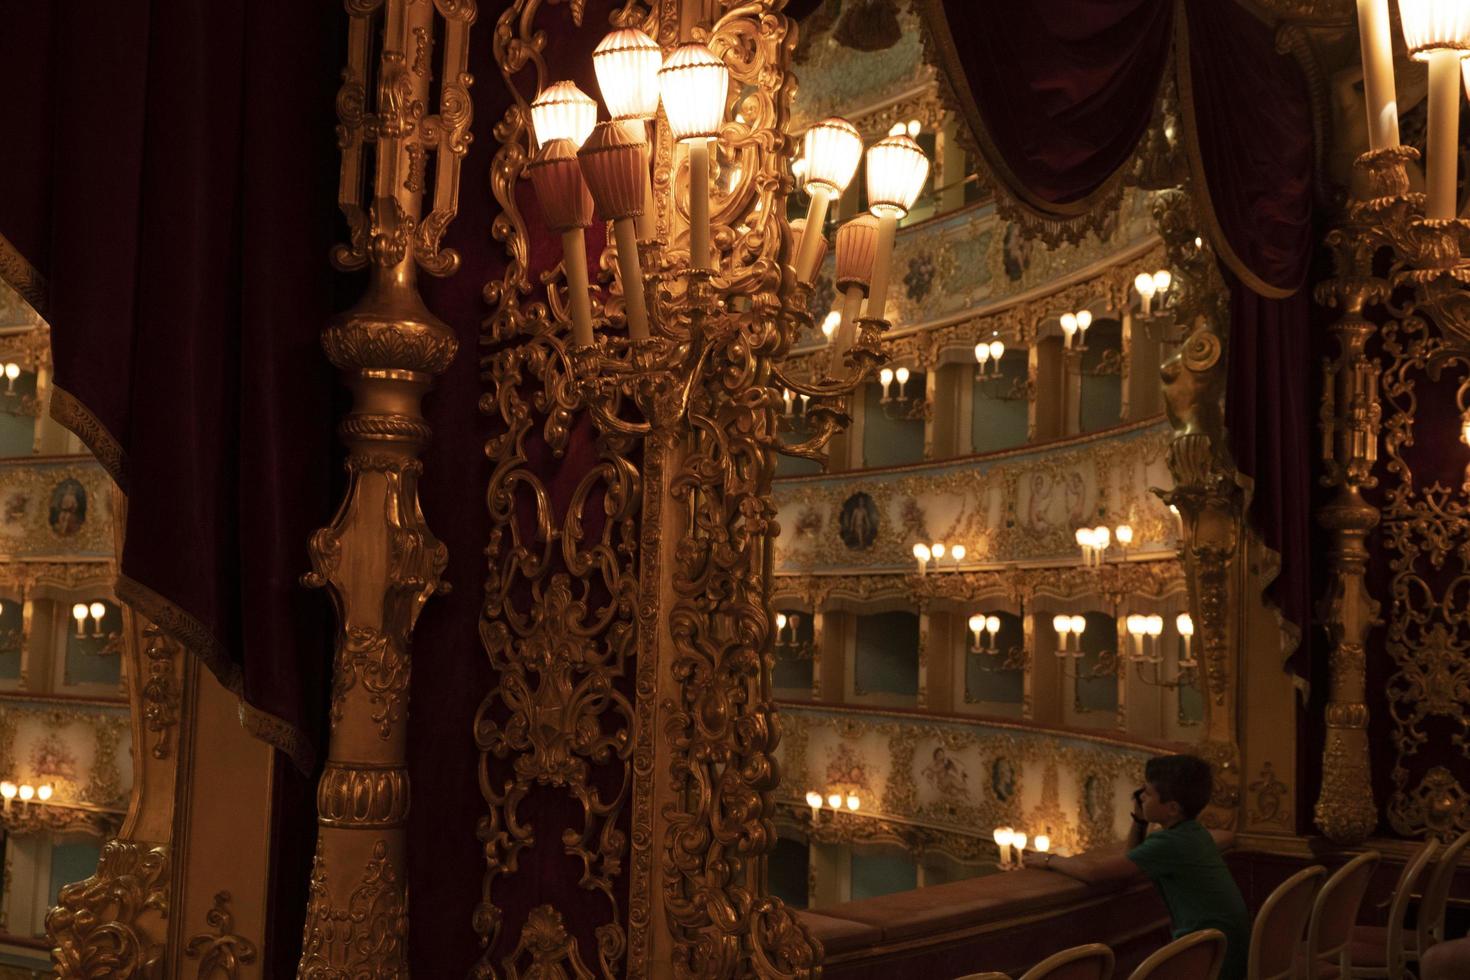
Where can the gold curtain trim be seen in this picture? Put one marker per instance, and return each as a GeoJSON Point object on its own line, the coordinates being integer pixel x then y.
{"type": "Point", "coordinates": [1206, 205]}
{"type": "Point", "coordinates": [69, 412]}
{"type": "Point", "coordinates": [168, 616]}
{"type": "Point", "coordinates": [194, 636]}
{"type": "Point", "coordinates": [1073, 218]}
{"type": "Point", "coordinates": [21, 276]}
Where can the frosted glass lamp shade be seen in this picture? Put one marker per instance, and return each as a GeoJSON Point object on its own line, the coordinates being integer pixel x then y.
{"type": "Point", "coordinates": [1144, 283]}
{"type": "Point", "coordinates": [12, 371]}
{"type": "Point", "coordinates": [897, 169]}
{"type": "Point", "coordinates": [627, 63]}
{"type": "Point", "coordinates": [1062, 624]}
{"type": "Point", "coordinates": [1079, 625]}
{"type": "Point", "coordinates": [831, 149]}
{"type": "Point", "coordinates": [857, 247]}
{"type": "Point", "coordinates": [977, 623]}
{"type": "Point", "coordinates": [694, 85]}
{"type": "Point", "coordinates": [982, 352]}
{"type": "Point", "coordinates": [1435, 25]}
{"type": "Point", "coordinates": [563, 112]}
{"type": "Point", "coordinates": [1161, 280]}
{"type": "Point", "coordinates": [98, 610]}
{"type": "Point", "coordinates": [557, 177]}
{"type": "Point", "coordinates": [614, 162]}
{"type": "Point", "coordinates": [1184, 623]}
{"type": "Point", "coordinates": [997, 349]}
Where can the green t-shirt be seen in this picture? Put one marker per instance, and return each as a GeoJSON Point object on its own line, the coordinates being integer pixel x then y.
{"type": "Point", "coordinates": [1185, 864]}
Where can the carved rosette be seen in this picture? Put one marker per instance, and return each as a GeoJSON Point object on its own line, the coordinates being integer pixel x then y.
{"type": "Point", "coordinates": [378, 559]}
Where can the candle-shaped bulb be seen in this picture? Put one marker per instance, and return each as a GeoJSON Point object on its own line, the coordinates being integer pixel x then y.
{"type": "Point", "coordinates": [1135, 624]}
{"type": "Point", "coordinates": [814, 799]}
{"type": "Point", "coordinates": [977, 623]}
{"type": "Point", "coordinates": [1042, 844]}
{"type": "Point", "coordinates": [1161, 280]}
{"type": "Point", "coordinates": [937, 549]}
{"type": "Point", "coordinates": [885, 377]}
{"type": "Point", "coordinates": [44, 792]}
{"type": "Point", "coordinates": [1084, 319]}
{"type": "Point", "coordinates": [982, 353]}
{"type": "Point", "coordinates": [98, 610]}
{"type": "Point", "coordinates": [1144, 283]}
{"type": "Point", "coordinates": [8, 790]}
{"type": "Point", "coordinates": [834, 800]}
{"type": "Point", "coordinates": [830, 323]}
{"type": "Point", "coordinates": [992, 625]}
{"type": "Point", "coordinates": [1079, 625]}
{"type": "Point", "coordinates": [1062, 624]}
{"type": "Point", "coordinates": [780, 621]}
{"type": "Point", "coordinates": [27, 791]}
{"type": "Point", "coordinates": [1124, 534]}
{"type": "Point", "coordinates": [922, 552]}
{"type": "Point", "coordinates": [1184, 623]}
{"type": "Point", "coordinates": [958, 553]}
{"type": "Point", "coordinates": [1069, 326]}
{"type": "Point", "coordinates": [901, 376]}
{"type": "Point", "coordinates": [853, 801]}
{"type": "Point", "coordinates": [997, 348]}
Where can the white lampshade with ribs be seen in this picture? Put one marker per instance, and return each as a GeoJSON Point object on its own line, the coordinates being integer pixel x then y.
{"type": "Point", "coordinates": [897, 169]}
{"type": "Point", "coordinates": [563, 112]}
{"type": "Point", "coordinates": [831, 149]}
{"type": "Point", "coordinates": [694, 85]}
{"type": "Point", "coordinates": [627, 63]}
{"type": "Point", "coordinates": [1435, 25]}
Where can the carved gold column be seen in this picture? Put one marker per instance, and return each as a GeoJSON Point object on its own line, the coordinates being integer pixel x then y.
{"type": "Point", "coordinates": [378, 559]}
{"type": "Point", "coordinates": [1350, 413]}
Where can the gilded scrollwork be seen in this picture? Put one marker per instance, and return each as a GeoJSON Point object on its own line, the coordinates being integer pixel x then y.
{"type": "Point", "coordinates": [365, 936]}
{"type": "Point", "coordinates": [98, 926]}
{"type": "Point", "coordinates": [220, 952]}
{"type": "Point", "coordinates": [161, 696]}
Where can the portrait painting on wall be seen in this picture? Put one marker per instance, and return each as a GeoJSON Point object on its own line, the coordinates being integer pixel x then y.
{"type": "Point", "coordinates": [14, 506]}
{"type": "Point", "coordinates": [1097, 799]}
{"type": "Point", "coordinates": [1003, 779]}
{"type": "Point", "coordinates": [947, 776]}
{"type": "Point", "coordinates": [858, 523]}
{"type": "Point", "coordinates": [68, 508]}
{"type": "Point", "coordinates": [52, 758]}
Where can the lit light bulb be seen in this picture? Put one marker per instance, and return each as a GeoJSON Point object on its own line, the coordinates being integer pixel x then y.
{"type": "Point", "coordinates": [1155, 625]}
{"type": "Point", "coordinates": [982, 353]}
{"type": "Point", "coordinates": [1162, 278]}
{"type": "Point", "coordinates": [1018, 841]}
{"type": "Point", "coordinates": [694, 84]}
{"type": "Point", "coordinates": [1002, 835]}
{"type": "Point", "coordinates": [896, 171]}
{"type": "Point", "coordinates": [997, 348]}
{"type": "Point", "coordinates": [937, 549]}
{"type": "Point", "coordinates": [627, 63]}
{"type": "Point", "coordinates": [1069, 324]}
{"type": "Point", "coordinates": [1062, 624]}
{"type": "Point", "coordinates": [1184, 623]}
{"type": "Point", "coordinates": [1144, 283]}
{"type": "Point", "coordinates": [992, 625]}
{"type": "Point", "coordinates": [1084, 319]}
{"type": "Point", "coordinates": [898, 129]}
{"type": "Point", "coordinates": [7, 790]}
{"type": "Point", "coordinates": [98, 610]}
{"type": "Point", "coordinates": [12, 371]}
{"type": "Point", "coordinates": [1101, 537]}
{"type": "Point", "coordinates": [885, 377]}
{"type": "Point", "coordinates": [832, 149]}
{"type": "Point", "coordinates": [1042, 843]}
{"type": "Point", "coordinates": [79, 613]}
{"type": "Point", "coordinates": [901, 376]}
{"type": "Point", "coordinates": [914, 128]}
{"type": "Point", "coordinates": [1124, 534]}
{"type": "Point", "coordinates": [563, 112]}
{"type": "Point", "coordinates": [921, 551]}
{"type": "Point", "coordinates": [830, 323]}
{"type": "Point", "coordinates": [958, 553]}
{"type": "Point", "coordinates": [835, 801]}
{"type": "Point", "coordinates": [1084, 537]}
{"type": "Point", "coordinates": [44, 793]}
{"type": "Point", "coordinates": [977, 623]}
{"type": "Point", "coordinates": [1135, 624]}
{"type": "Point", "coordinates": [1079, 625]}
{"type": "Point", "coordinates": [853, 801]}
{"type": "Point", "coordinates": [814, 799]}
{"type": "Point", "coordinates": [27, 791]}
{"type": "Point", "coordinates": [780, 621]}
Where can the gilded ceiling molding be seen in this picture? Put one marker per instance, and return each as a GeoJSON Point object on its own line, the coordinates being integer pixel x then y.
{"type": "Point", "coordinates": [31, 349]}
{"type": "Point", "coordinates": [378, 560]}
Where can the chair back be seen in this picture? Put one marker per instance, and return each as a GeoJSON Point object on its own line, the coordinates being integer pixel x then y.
{"type": "Point", "coordinates": [1091, 962]}
{"type": "Point", "coordinates": [1197, 956]}
{"type": "Point", "coordinates": [1430, 923]}
{"type": "Point", "coordinates": [1398, 908]}
{"type": "Point", "coordinates": [1277, 932]}
{"type": "Point", "coordinates": [1335, 911]}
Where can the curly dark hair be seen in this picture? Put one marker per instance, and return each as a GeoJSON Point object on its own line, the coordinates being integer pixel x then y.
{"type": "Point", "coordinates": [1182, 779]}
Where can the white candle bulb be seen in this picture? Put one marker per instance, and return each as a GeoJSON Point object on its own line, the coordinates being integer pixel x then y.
{"type": "Point", "coordinates": [853, 801]}
{"type": "Point", "coordinates": [1042, 844]}
{"type": "Point", "coordinates": [44, 793]}
{"type": "Point", "coordinates": [27, 791]}
{"type": "Point", "coordinates": [937, 549]}
{"type": "Point", "coordinates": [814, 799]}
{"type": "Point", "coordinates": [835, 801]}
{"type": "Point", "coordinates": [958, 553]}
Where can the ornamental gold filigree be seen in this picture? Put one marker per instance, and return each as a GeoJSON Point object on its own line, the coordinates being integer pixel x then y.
{"type": "Point", "coordinates": [222, 951]}
{"type": "Point", "coordinates": [110, 924]}
{"type": "Point", "coordinates": [378, 560]}
{"type": "Point", "coordinates": [161, 698]}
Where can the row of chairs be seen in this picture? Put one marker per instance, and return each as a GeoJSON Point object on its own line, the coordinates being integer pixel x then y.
{"type": "Point", "coordinates": [1336, 946]}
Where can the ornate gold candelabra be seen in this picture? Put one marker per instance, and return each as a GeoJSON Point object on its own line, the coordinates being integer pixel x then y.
{"type": "Point", "coordinates": [678, 369]}
{"type": "Point", "coordinates": [378, 559]}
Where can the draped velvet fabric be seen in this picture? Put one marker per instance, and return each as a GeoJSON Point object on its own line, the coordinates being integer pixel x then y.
{"type": "Point", "coordinates": [1059, 93]}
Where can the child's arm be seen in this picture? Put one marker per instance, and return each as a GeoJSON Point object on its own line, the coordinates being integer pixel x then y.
{"type": "Point", "coordinates": [1096, 865]}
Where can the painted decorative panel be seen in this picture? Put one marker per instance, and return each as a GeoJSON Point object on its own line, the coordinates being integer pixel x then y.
{"type": "Point", "coordinates": [58, 507]}
{"type": "Point", "coordinates": [836, 79]}
{"type": "Point", "coordinates": [1023, 505]}
{"type": "Point", "coordinates": [961, 778]}
{"type": "Point", "coordinates": [81, 751]}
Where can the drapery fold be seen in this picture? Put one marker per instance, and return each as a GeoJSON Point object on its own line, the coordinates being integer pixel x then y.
{"type": "Point", "coordinates": [168, 201]}
{"type": "Point", "coordinates": [1058, 94]}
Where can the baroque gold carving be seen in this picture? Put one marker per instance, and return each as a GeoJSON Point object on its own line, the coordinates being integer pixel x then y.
{"type": "Point", "coordinates": [95, 926]}
{"type": "Point", "coordinates": [161, 698]}
{"type": "Point", "coordinates": [367, 935]}
{"type": "Point", "coordinates": [222, 952]}
{"type": "Point", "coordinates": [553, 953]}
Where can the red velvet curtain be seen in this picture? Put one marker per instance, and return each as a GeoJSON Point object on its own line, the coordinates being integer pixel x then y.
{"type": "Point", "coordinates": [1059, 93]}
